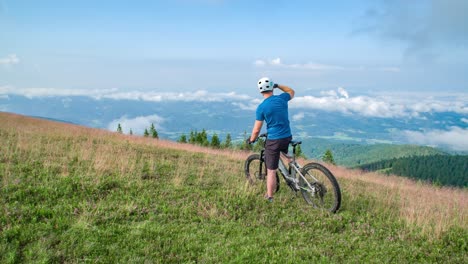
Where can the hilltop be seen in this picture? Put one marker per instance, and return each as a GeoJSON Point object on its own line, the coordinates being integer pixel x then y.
{"type": "Point", "coordinates": [76, 194]}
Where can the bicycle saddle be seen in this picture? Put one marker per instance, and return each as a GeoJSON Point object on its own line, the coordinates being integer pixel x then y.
{"type": "Point", "coordinates": [295, 143]}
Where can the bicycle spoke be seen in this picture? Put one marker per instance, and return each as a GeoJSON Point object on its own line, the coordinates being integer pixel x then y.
{"type": "Point", "coordinates": [319, 188]}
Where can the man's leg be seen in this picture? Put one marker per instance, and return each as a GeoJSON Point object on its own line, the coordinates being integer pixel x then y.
{"type": "Point", "coordinates": [271, 182]}
{"type": "Point", "coordinates": [272, 156]}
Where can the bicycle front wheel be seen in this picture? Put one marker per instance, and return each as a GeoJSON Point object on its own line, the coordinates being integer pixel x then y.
{"type": "Point", "coordinates": [256, 171]}
{"type": "Point", "coordinates": [320, 188]}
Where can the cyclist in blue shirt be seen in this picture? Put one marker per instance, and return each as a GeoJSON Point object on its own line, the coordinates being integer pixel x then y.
{"type": "Point", "coordinates": [274, 111]}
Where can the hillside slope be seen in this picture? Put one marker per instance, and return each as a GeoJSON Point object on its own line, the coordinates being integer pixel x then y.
{"type": "Point", "coordinates": [438, 169]}
{"type": "Point", "coordinates": [352, 154]}
{"type": "Point", "coordinates": [75, 194]}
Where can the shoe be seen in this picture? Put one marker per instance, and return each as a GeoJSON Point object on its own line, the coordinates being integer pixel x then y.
{"type": "Point", "coordinates": [269, 199]}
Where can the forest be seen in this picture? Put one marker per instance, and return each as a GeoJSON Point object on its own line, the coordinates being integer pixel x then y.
{"type": "Point", "coordinates": [444, 170]}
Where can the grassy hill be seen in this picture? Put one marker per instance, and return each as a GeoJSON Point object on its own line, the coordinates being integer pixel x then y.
{"type": "Point", "coordinates": [75, 194]}
{"type": "Point", "coordinates": [352, 154]}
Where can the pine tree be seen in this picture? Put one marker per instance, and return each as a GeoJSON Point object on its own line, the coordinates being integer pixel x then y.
{"type": "Point", "coordinates": [202, 138]}
{"type": "Point", "coordinates": [182, 139]}
{"type": "Point", "coordinates": [259, 144]}
{"type": "Point", "coordinates": [131, 132]}
{"type": "Point", "coordinates": [244, 145]}
{"type": "Point", "coordinates": [328, 157]}
{"type": "Point", "coordinates": [146, 134]}
{"type": "Point", "coordinates": [299, 152]}
{"type": "Point", "coordinates": [227, 142]}
{"type": "Point", "coordinates": [119, 128]}
{"type": "Point", "coordinates": [153, 132]}
{"type": "Point", "coordinates": [215, 141]}
{"type": "Point", "coordinates": [193, 137]}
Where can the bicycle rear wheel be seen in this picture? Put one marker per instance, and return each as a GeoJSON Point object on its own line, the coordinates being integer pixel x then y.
{"type": "Point", "coordinates": [253, 173]}
{"type": "Point", "coordinates": [320, 188]}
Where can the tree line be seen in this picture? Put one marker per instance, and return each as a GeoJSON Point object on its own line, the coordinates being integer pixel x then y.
{"type": "Point", "coordinates": [437, 169]}
{"type": "Point", "coordinates": [202, 138]}
{"type": "Point", "coordinates": [151, 132]}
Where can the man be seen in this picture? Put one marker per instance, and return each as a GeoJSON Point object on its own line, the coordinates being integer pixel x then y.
{"type": "Point", "coordinates": [274, 111]}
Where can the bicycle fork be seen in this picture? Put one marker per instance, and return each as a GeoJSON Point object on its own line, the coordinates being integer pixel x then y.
{"type": "Point", "coordinates": [262, 160]}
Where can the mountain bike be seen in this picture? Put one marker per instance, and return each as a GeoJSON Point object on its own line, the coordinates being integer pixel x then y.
{"type": "Point", "coordinates": [318, 186]}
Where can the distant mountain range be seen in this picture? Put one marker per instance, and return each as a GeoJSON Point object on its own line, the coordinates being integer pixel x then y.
{"type": "Point", "coordinates": [353, 139]}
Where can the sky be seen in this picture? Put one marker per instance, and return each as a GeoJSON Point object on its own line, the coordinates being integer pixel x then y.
{"type": "Point", "coordinates": [224, 46]}
{"type": "Point", "coordinates": [373, 58]}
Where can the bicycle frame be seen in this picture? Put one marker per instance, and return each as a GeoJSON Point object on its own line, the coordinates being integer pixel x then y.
{"type": "Point", "coordinates": [315, 182]}
{"type": "Point", "coordinates": [291, 177]}
{"type": "Point", "coordinates": [288, 172]}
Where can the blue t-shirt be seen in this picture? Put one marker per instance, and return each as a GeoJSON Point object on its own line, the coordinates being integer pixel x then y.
{"type": "Point", "coordinates": [274, 111]}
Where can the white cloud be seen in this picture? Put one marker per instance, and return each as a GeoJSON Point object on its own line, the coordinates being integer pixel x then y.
{"type": "Point", "coordinates": [339, 100]}
{"type": "Point", "coordinates": [307, 66]}
{"type": "Point", "coordinates": [464, 120]}
{"type": "Point", "coordinates": [422, 26]}
{"type": "Point", "coordinates": [259, 63]}
{"type": "Point", "coordinates": [298, 116]}
{"type": "Point", "coordinates": [196, 96]}
{"type": "Point", "coordinates": [250, 105]}
{"type": "Point", "coordinates": [276, 61]}
{"type": "Point", "coordinates": [343, 92]}
{"type": "Point", "coordinates": [137, 124]}
{"type": "Point", "coordinates": [9, 60]}
{"type": "Point", "coordinates": [456, 138]}
{"type": "Point", "coordinates": [312, 66]}
{"type": "Point", "coordinates": [384, 107]}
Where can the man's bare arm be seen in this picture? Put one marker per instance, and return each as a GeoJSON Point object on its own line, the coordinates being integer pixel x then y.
{"type": "Point", "coordinates": [286, 89]}
{"type": "Point", "coordinates": [256, 130]}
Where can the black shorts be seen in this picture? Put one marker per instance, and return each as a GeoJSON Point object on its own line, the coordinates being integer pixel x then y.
{"type": "Point", "coordinates": [273, 149]}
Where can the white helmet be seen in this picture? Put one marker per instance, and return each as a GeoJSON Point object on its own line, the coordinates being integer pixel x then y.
{"type": "Point", "coordinates": [265, 85]}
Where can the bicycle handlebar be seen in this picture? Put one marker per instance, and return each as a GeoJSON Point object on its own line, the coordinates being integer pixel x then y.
{"type": "Point", "coordinates": [265, 135]}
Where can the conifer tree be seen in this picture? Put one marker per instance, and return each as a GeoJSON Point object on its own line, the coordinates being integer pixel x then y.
{"type": "Point", "coordinates": [227, 142]}
{"type": "Point", "coordinates": [182, 139]}
{"type": "Point", "coordinates": [153, 132]}
{"type": "Point", "coordinates": [119, 128]}
{"type": "Point", "coordinates": [131, 132]}
{"type": "Point", "coordinates": [259, 144]}
{"type": "Point", "coordinates": [244, 145]}
{"type": "Point", "coordinates": [328, 157]}
{"type": "Point", "coordinates": [299, 152]}
{"type": "Point", "coordinates": [193, 137]}
{"type": "Point", "coordinates": [202, 138]}
{"type": "Point", "coordinates": [215, 141]}
{"type": "Point", "coordinates": [146, 134]}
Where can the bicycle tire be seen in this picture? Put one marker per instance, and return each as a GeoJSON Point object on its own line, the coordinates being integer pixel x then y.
{"type": "Point", "coordinates": [252, 168]}
{"type": "Point", "coordinates": [321, 180]}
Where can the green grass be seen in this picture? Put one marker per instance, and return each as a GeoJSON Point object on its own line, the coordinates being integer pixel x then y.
{"type": "Point", "coordinates": [80, 197]}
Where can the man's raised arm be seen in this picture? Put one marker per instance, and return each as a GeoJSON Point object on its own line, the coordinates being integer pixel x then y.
{"type": "Point", "coordinates": [285, 89]}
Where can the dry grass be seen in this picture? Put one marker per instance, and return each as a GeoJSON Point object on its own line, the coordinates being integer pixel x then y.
{"type": "Point", "coordinates": [432, 209]}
